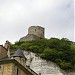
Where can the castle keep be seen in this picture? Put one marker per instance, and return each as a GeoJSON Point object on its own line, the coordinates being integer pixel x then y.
{"type": "Point", "coordinates": [34, 32]}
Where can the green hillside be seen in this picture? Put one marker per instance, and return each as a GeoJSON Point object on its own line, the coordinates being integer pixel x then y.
{"type": "Point", "coordinates": [60, 51]}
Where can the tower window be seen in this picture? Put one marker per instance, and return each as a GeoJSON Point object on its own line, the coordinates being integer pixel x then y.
{"type": "Point", "coordinates": [43, 32]}
{"type": "Point", "coordinates": [35, 29]}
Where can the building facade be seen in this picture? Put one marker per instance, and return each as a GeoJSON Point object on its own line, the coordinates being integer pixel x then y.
{"type": "Point", "coordinates": [15, 64]}
{"type": "Point", "coordinates": [3, 51]}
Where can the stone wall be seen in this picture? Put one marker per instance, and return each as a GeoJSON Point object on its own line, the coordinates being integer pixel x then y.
{"type": "Point", "coordinates": [29, 37]}
{"type": "Point", "coordinates": [12, 69]}
{"type": "Point", "coordinates": [3, 52]}
{"type": "Point", "coordinates": [8, 69]}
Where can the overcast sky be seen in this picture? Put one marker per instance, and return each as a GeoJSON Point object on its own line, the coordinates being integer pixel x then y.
{"type": "Point", "coordinates": [16, 16]}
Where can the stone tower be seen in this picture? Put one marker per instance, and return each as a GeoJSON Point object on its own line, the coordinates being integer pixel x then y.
{"type": "Point", "coordinates": [34, 33]}
{"type": "Point", "coordinates": [36, 30]}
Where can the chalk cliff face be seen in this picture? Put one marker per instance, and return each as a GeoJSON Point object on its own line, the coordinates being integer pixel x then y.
{"type": "Point", "coordinates": [42, 66]}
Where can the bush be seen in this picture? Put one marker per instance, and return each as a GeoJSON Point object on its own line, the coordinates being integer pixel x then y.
{"type": "Point", "coordinates": [65, 65]}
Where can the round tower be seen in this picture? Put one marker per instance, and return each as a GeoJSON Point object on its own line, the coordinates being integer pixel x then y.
{"type": "Point", "coordinates": [19, 56]}
{"type": "Point", "coordinates": [36, 30]}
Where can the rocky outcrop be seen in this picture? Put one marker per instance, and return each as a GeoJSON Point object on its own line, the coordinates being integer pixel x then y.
{"type": "Point", "coordinates": [44, 67]}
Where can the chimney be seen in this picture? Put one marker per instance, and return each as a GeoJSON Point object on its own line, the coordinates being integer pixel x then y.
{"type": "Point", "coordinates": [7, 46]}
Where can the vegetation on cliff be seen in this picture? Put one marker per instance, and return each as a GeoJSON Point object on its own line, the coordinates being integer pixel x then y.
{"type": "Point", "coordinates": [60, 51]}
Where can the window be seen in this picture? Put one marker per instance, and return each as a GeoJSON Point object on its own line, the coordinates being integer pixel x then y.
{"type": "Point", "coordinates": [0, 70]}
{"type": "Point", "coordinates": [17, 71]}
{"type": "Point", "coordinates": [35, 29]}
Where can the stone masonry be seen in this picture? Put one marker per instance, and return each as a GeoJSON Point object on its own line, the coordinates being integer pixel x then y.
{"type": "Point", "coordinates": [34, 32]}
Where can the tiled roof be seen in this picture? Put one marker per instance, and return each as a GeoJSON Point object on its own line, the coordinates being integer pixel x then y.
{"type": "Point", "coordinates": [5, 58]}
{"type": "Point", "coordinates": [19, 53]}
